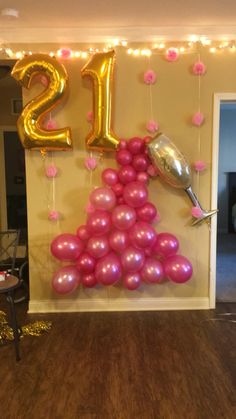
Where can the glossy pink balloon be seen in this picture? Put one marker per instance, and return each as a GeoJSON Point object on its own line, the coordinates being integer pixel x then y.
{"type": "Point", "coordinates": [132, 259]}
{"type": "Point", "coordinates": [103, 199]}
{"type": "Point", "coordinates": [98, 247]}
{"type": "Point", "coordinates": [99, 223]}
{"type": "Point", "coordinates": [89, 280]}
{"type": "Point", "coordinates": [135, 194]}
{"type": "Point", "coordinates": [147, 212]}
{"type": "Point", "coordinates": [83, 233]}
{"type": "Point", "coordinates": [123, 157]}
{"type": "Point", "coordinates": [142, 235]}
{"type": "Point", "coordinates": [85, 263]}
{"type": "Point", "coordinates": [67, 247]}
{"type": "Point", "coordinates": [178, 268]}
{"type": "Point", "coordinates": [127, 174]}
{"type": "Point", "coordinates": [143, 177]}
{"type": "Point", "coordinates": [118, 189]}
{"type": "Point", "coordinates": [108, 269]}
{"type": "Point", "coordinates": [152, 271]}
{"type": "Point", "coordinates": [66, 280]}
{"type": "Point", "coordinates": [132, 281]}
{"type": "Point", "coordinates": [110, 176]}
{"type": "Point", "coordinates": [140, 162]}
{"type": "Point", "coordinates": [136, 145]}
{"type": "Point", "coordinates": [118, 240]}
{"type": "Point", "coordinates": [123, 217]}
{"type": "Point", "coordinates": [166, 245]}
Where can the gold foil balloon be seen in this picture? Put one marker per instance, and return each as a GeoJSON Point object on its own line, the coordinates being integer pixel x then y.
{"type": "Point", "coordinates": [32, 135]}
{"type": "Point", "coordinates": [100, 68]}
{"type": "Point", "coordinates": [174, 169]}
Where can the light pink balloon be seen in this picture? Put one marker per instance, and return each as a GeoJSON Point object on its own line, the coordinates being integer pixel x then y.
{"type": "Point", "coordinates": [178, 268]}
{"type": "Point", "coordinates": [67, 247]}
{"type": "Point", "coordinates": [140, 162]}
{"type": "Point", "coordinates": [89, 280]}
{"type": "Point", "coordinates": [103, 199]}
{"type": "Point", "coordinates": [132, 259]}
{"type": "Point", "coordinates": [83, 233]}
{"type": "Point", "coordinates": [143, 177]}
{"type": "Point", "coordinates": [132, 281]}
{"type": "Point", "coordinates": [66, 280]}
{"type": "Point", "coordinates": [152, 271]}
{"type": "Point", "coordinates": [147, 212]}
{"type": "Point", "coordinates": [108, 269]}
{"type": "Point", "coordinates": [118, 240]}
{"type": "Point", "coordinates": [110, 176]}
{"type": "Point", "coordinates": [118, 189]}
{"type": "Point", "coordinates": [86, 263]}
{"type": "Point", "coordinates": [142, 235]}
{"type": "Point", "coordinates": [166, 245]}
{"type": "Point", "coordinates": [127, 174]}
{"type": "Point", "coordinates": [136, 145]}
{"type": "Point", "coordinates": [123, 157]}
{"type": "Point", "coordinates": [123, 217]}
{"type": "Point", "coordinates": [99, 223]}
{"type": "Point", "coordinates": [122, 145]}
{"type": "Point", "coordinates": [98, 247]}
{"type": "Point", "coordinates": [135, 194]}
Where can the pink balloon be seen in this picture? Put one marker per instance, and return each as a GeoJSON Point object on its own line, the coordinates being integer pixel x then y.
{"type": "Point", "coordinates": [178, 268]}
{"type": "Point", "coordinates": [123, 217]}
{"type": "Point", "coordinates": [142, 177]}
{"type": "Point", "coordinates": [122, 144]}
{"type": "Point", "coordinates": [132, 281]}
{"type": "Point", "coordinates": [142, 235]}
{"type": "Point", "coordinates": [98, 247]}
{"type": "Point", "coordinates": [166, 245]}
{"type": "Point", "coordinates": [118, 189]}
{"type": "Point", "coordinates": [147, 212]}
{"type": "Point", "coordinates": [132, 259]}
{"type": "Point", "coordinates": [103, 199]}
{"type": "Point", "coordinates": [136, 145]}
{"type": "Point", "coordinates": [152, 271]}
{"type": "Point", "coordinates": [83, 233]}
{"type": "Point", "coordinates": [85, 263]}
{"type": "Point", "coordinates": [140, 163]}
{"type": "Point", "coordinates": [123, 157]}
{"type": "Point", "coordinates": [127, 174]}
{"type": "Point", "coordinates": [108, 269]}
{"type": "Point", "coordinates": [110, 176]}
{"type": "Point", "coordinates": [99, 223]}
{"type": "Point", "coordinates": [119, 240]}
{"type": "Point", "coordinates": [66, 280]}
{"type": "Point", "coordinates": [66, 247]}
{"type": "Point", "coordinates": [89, 280]}
{"type": "Point", "coordinates": [135, 194]}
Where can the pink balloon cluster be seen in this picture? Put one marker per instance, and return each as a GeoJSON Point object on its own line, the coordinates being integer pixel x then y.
{"type": "Point", "coordinates": [118, 240]}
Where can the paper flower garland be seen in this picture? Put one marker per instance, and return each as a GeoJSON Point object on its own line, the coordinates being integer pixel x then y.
{"type": "Point", "coordinates": [199, 166]}
{"type": "Point", "coordinates": [196, 212]}
{"type": "Point", "coordinates": [53, 215]}
{"type": "Point", "coordinates": [90, 163]}
{"type": "Point", "coordinates": [51, 171]}
{"type": "Point", "coordinates": [172, 54]}
{"type": "Point", "coordinates": [149, 77]}
{"type": "Point", "coordinates": [199, 68]}
{"type": "Point", "coordinates": [152, 126]}
{"type": "Point", "coordinates": [198, 119]}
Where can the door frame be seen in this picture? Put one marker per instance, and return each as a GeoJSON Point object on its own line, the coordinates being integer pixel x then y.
{"type": "Point", "coordinates": [219, 98]}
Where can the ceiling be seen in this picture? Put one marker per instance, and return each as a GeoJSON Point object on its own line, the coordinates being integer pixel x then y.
{"type": "Point", "coordinates": [83, 20]}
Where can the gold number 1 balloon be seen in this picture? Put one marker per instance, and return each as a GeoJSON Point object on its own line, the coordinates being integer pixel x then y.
{"type": "Point", "coordinates": [175, 170]}
{"type": "Point", "coordinates": [32, 135]}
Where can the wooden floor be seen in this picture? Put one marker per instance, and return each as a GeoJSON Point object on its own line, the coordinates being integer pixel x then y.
{"type": "Point", "coordinates": [145, 365]}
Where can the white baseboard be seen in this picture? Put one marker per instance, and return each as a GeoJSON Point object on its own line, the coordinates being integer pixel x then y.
{"type": "Point", "coordinates": [121, 304]}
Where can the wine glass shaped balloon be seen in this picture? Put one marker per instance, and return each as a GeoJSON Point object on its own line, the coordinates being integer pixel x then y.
{"type": "Point", "coordinates": [175, 170]}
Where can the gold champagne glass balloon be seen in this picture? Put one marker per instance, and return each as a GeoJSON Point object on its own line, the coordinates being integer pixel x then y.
{"type": "Point", "coordinates": [175, 170]}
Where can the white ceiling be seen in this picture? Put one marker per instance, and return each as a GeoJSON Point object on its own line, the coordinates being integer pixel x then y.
{"type": "Point", "coordinates": [80, 20]}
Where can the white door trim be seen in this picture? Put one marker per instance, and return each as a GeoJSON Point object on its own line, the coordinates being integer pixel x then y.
{"type": "Point", "coordinates": [218, 99]}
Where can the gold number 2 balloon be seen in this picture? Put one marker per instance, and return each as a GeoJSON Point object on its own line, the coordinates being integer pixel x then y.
{"type": "Point", "coordinates": [175, 170]}
{"type": "Point", "coordinates": [32, 135]}
{"type": "Point", "coordinates": [100, 68]}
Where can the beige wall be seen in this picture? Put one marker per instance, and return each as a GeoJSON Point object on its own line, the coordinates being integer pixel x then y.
{"type": "Point", "coordinates": [175, 99]}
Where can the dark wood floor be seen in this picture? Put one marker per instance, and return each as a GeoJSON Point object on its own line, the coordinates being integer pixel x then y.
{"type": "Point", "coordinates": [153, 365]}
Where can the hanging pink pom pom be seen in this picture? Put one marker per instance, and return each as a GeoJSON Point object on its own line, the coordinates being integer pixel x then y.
{"type": "Point", "coordinates": [65, 53]}
{"type": "Point", "coordinates": [196, 212]}
{"type": "Point", "coordinates": [199, 166]}
{"type": "Point", "coordinates": [89, 116]}
{"type": "Point", "coordinates": [152, 126]}
{"type": "Point", "coordinates": [53, 215]}
{"type": "Point", "coordinates": [198, 119]}
{"type": "Point", "coordinates": [199, 68]}
{"type": "Point", "coordinates": [51, 171]}
{"type": "Point", "coordinates": [51, 124]}
{"type": "Point", "coordinates": [90, 163]}
{"type": "Point", "coordinates": [150, 77]}
{"type": "Point", "coordinates": [172, 54]}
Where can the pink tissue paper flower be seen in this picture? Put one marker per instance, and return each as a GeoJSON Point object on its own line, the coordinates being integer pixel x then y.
{"type": "Point", "coordinates": [149, 77]}
{"type": "Point", "coordinates": [90, 163]}
{"type": "Point", "coordinates": [172, 54]}
{"type": "Point", "coordinates": [65, 53]}
{"type": "Point", "coordinates": [196, 212]}
{"type": "Point", "coordinates": [53, 215]}
{"type": "Point", "coordinates": [51, 171]}
{"type": "Point", "coordinates": [51, 124]}
{"type": "Point", "coordinates": [198, 119]}
{"type": "Point", "coordinates": [199, 166]}
{"type": "Point", "coordinates": [199, 68]}
{"type": "Point", "coordinates": [152, 126]}
{"type": "Point", "coordinates": [89, 116]}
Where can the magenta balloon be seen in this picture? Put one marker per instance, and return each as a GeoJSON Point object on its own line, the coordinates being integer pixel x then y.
{"type": "Point", "coordinates": [123, 217]}
{"type": "Point", "coordinates": [103, 199]}
{"type": "Point", "coordinates": [66, 247]}
{"type": "Point", "coordinates": [132, 281]}
{"type": "Point", "coordinates": [83, 233]}
{"type": "Point", "coordinates": [108, 269]}
{"type": "Point", "coordinates": [135, 194]}
{"type": "Point", "coordinates": [178, 268]}
{"type": "Point", "coordinates": [147, 212]}
{"type": "Point", "coordinates": [142, 235]}
{"type": "Point", "coordinates": [142, 177]}
{"type": "Point", "coordinates": [123, 157]}
{"type": "Point", "coordinates": [132, 259]}
{"type": "Point", "coordinates": [98, 247]}
{"type": "Point", "coordinates": [119, 240]}
{"type": "Point", "coordinates": [110, 176]}
{"type": "Point", "coordinates": [66, 280]}
{"type": "Point", "coordinates": [85, 263]}
{"type": "Point", "coordinates": [136, 145]}
{"type": "Point", "coordinates": [140, 163]}
{"type": "Point", "coordinates": [166, 245]}
{"type": "Point", "coordinates": [127, 174]}
{"type": "Point", "coordinates": [152, 271]}
{"type": "Point", "coordinates": [99, 223]}
{"type": "Point", "coordinates": [89, 280]}
{"type": "Point", "coordinates": [118, 189]}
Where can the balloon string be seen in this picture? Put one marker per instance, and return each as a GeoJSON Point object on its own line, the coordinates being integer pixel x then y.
{"type": "Point", "coordinates": [150, 92]}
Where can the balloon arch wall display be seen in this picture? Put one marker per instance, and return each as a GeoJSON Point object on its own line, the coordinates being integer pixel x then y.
{"type": "Point", "coordinates": [118, 239]}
